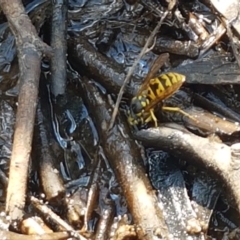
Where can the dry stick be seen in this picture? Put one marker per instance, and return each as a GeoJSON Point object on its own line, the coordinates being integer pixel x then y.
{"type": "Point", "coordinates": [53, 236]}
{"type": "Point", "coordinates": [30, 48]}
{"type": "Point", "coordinates": [51, 179]}
{"type": "Point", "coordinates": [59, 45]}
{"type": "Point", "coordinates": [130, 72]}
{"type": "Point", "coordinates": [46, 211]}
{"type": "Point", "coordinates": [105, 221]}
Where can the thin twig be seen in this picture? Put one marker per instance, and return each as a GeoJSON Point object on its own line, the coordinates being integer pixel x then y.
{"type": "Point", "coordinates": [131, 70]}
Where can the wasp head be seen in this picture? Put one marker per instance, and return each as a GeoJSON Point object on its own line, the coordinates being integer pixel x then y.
{"type": "Point", "coordinates": [136, 110]}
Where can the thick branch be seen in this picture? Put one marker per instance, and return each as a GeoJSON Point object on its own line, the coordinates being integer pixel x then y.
{"type": "Point", "coordinates": [30, 49]}
{"type": "Point", "coordinates": [125, 160]}
{"type": "Point", "coordinates": [218, 157]}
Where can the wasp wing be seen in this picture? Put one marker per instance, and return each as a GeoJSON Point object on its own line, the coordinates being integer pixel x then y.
{"type": "Point", "coordinates": [157, 64]}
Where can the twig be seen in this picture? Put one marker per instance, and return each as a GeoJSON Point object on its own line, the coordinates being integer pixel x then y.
{"type": "Point", "coordinates": [54, 217]}
{"type": "Point", "coordinates": [53, 236]}
{"type": "Point", "coordinates": [110, 74]}
{"type": "Point", "coordinates": [59, 45]}
{"type": "Point", "coordinates": [131, 70]}
{"type": "Point", "coordinates": [30, 50]}
{"type": "Point", "coordinates": [52, 182]}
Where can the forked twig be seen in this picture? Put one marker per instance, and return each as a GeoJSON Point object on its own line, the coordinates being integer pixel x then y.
{"type": "Point", "coordinates": [144, 50]}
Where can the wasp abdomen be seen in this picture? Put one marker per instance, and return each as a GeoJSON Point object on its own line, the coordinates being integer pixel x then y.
{"type": "Point", "coordinates": [164, 85]}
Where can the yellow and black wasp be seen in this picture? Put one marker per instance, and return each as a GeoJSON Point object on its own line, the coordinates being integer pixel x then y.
{"type": "Point", "coordinates": [153, 91]}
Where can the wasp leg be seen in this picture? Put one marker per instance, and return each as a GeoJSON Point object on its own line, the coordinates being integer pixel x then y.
{"type": "Point", "coordinates": [153, 117]}
{"type": "Point", "coordinates": [150, 116]}
{"type": "Point", "coordinates": [147, 120]}
{"type": "Point", "coordinates": [176, 109]}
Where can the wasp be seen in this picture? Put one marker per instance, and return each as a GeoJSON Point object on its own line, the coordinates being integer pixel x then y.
{"type": "Point", "coordinates": [152, 92]}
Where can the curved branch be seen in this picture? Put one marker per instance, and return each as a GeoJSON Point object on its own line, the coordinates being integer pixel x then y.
{"type": "Point", "coordinates": [218, 157]}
